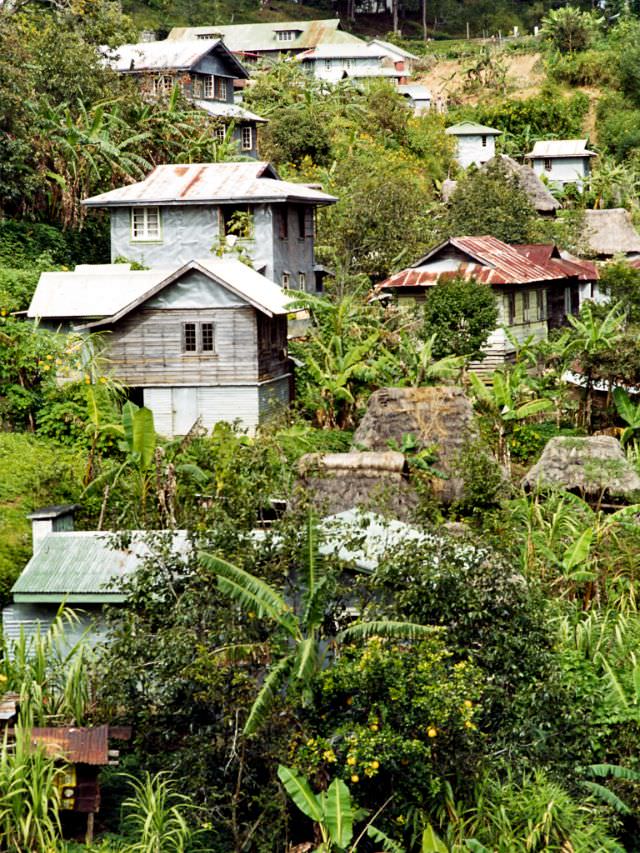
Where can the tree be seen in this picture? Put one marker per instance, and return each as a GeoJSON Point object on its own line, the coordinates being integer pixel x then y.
{"type": "Point", "coordinates": [461, 313]}
{"type": "Point", "coordinates": [491, 201]}
{"type": "Point", "coordinates": [621, 282]}
{"type": "Point", "coordinates": [305, 632]}
{"type": "Point", "coordinates": [569, 29]}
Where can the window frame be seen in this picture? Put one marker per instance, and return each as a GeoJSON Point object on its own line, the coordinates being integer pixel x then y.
{"type": "Point", "coordinates": [198, 328]}
{"type": "Point", "coordinates": [547, 164]}
{"type": "Point", "coordinates": [144, 236]}
{"type": "Point", "coordinates": [526, 306]}
{"type": "Point", "coordinates": [163, 85]}
{"type": "Point", "coordinates": [484, 140]}
{"type": "Point", "coordinates": [302, 281]}
{"type": "Point", "coordinates": [286, 280]}
{"type": "Point", "coordinates": [540, 304]}
{"type": "Point", "coordinates": [511, 308]}
{"type": "Point", "coordinates": [220, 88]}
{"type": "Point", "coordinates": [246, 129]}
{"type": "Point", "coordinates": [208, 87]}
{"type": "Point", "coordinates": [283, 223]}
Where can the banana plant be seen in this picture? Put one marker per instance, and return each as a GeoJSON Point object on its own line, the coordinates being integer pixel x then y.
{"type": "Point", "coordinates": [333, 813]}
{"type": "Point", "coordinates": [629, 412]}
{"type": "Point", "coordinates": [302, 633]}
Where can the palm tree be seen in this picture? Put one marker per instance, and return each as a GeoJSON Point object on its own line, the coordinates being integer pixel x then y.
{"type": "Point", "coordinates": [306, 641]}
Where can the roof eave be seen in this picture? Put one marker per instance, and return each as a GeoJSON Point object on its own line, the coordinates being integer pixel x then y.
{"type": "Point", "coordinates": [180, 202]}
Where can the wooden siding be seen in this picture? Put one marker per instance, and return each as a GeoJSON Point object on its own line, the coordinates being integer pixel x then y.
{"type": "Point", "coordinates": [145, 348]}
{"type": "Point", "coordinates": [272, 347]}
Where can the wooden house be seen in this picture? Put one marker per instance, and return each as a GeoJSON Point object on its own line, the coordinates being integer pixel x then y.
{"type": "Point", "coordinates": [205, 71]}
{"type": "Point", "coordinates": [562, 161]}
{"type": "Point", "coordinates": [475, 143]}
{"type": "Point", "coordinates": [417, 97]}
{"type": "Point", "coordinates": [251, 42]}
{"type": "Point", "coordinates": [203, 343]}
{"type": "Point", "coordinates": [182, 212]}
{"type": "Point", "coordinates": [396, 54]}
{"type": "Point", "coordinates": [357, 62]}
{"type": "Point", "coordinates": [536, 287]}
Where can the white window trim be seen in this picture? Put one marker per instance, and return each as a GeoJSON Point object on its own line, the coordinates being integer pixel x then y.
{"type": "Point", "coordinates": [144, 236]}
{"type": "Point", "coordinates": [247, 138]}
{"type": "Point", "coordinates": [208, 87]}
{"type": "Point", "coordinates": [286, 279]}
{"type": "Point", "coordinates": [302, 280]}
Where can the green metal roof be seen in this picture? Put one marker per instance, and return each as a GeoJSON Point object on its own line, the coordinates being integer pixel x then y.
{"type": "Point", "coordinates": [248, 38]}
{"type": "Point", "coordinates": [470, 128]}
{"type": "Point", "coordinates": [79, 567]}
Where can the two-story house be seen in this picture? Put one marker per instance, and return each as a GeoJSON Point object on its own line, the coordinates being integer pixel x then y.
{"type": "Point", "coordinates": [475, 143]}
{"type": "Point", "coordinates": [252, 42]}
{"type": "Point", "coordinates": [181, 212]}
{"type": "Point", "coordinates": [335, 62]}
{"type": "Point", "coordinates": [205, 71]}
{"type": "Point", "coordinates": [562, 161]}
{"type": "Point", "coordinates": [200, 343]}
{"type": "Point", "coordinates": [535, 286]}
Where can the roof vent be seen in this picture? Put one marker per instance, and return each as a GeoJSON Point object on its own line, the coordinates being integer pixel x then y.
{"type": "Point", "coordinates": [50, 519]}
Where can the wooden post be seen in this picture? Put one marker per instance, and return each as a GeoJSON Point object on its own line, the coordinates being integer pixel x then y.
{"type": "Point", "coordinates": [467, 30]}
{"type": "Point", "coordinates": [89, 835]}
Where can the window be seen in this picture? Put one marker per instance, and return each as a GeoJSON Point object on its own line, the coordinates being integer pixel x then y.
{"type": "Point", "coordinates": [286, 278]}
{"type": "Point", "coordinates": [540, 304]}
{"type": "Point", "coordinates": [163, 85]}
{"type": "Point", "coordinates": [207, 86]}
{"type": "Point", "coordinates": [145, 223]}
{"type": "Point", "coordinates": [221, 88]}
{"type": "Point", "coordinates": [525, 306]}
{"type": "Point", "coordinates": [302, 280]}
{"type": "Point", "coordinates": [198, 87]}
{"type": "Point", "coordinates": [198, 337]}
{"type": "Point", "coordinates": [208, 36]}
{"type": "Point", "coordinates": [214, 88]}
{"type": "Point", "coordinates": [328, 64]}
{"type": "Point", "coordinates": [567, 301]}
{"type": "Point", "coordinates": [511, 308]}
{"type": "Point", "coordinates": [285, 35]}
{"type": "Point", "coordinates": [283, 224]}
{"type": "Point", "coordinates": [484, 141]}
{"type": "Point", "coordinates": [220, 133]}
{"type": "Point", "coordinates": [302, 222]}
{"type": "Point", "coordinates": [247, 138]}
{"type": "Point", "coordinates": [548, 163]}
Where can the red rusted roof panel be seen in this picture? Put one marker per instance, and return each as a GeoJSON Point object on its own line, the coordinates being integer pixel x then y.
{"type": "Point", "coordinates": [74, 745]}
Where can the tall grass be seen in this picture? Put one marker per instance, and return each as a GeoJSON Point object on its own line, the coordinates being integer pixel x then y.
{"type": "Point", "coordinates": [156, 816]}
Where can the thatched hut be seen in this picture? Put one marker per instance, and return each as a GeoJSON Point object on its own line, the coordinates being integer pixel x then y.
{"type": "Point", "coordinates": [440, 416]}
{"type": "Point", "coordinates": [610, 232]}
{"type": "Point", "coordinates": [594, 467]}
{"type": "Point", "coordinates": [538, 193]}
{"type": "Point", "coordinates": [377, 481]}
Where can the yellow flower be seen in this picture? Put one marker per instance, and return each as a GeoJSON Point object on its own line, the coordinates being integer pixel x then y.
{"type": "Point", "coordinates": [349, 700]}
{"type": "Point", "coordinates": [469, 724]}
{"type": "Point", "coordinates": [432, 731]}
{"type": "Point", "coordinates": [355, 778]}
{"type": "Point", "coordinates": [329, 755]}
{"type": "Point", "coordinates": [351, 760]}
{"type": "Point", "coordinates": [375, 764]}
{"type": "Point", "coordinates": [468, 703]}
{"type": "Point", "coordinates": [374, 727]}
{"type": "Point", "coordinates": [3, 678]}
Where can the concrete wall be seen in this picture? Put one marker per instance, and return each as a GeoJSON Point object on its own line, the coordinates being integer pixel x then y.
{"type": "Point", "coordinates": [564, 170]}
{"type": "Point", "coordinates": [470, 149]}
{"type": "Point", "coordinates": [333, 70]}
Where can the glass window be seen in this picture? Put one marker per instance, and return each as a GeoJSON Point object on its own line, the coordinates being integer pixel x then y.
{"type": "Point", "coordinates": [540, 303]}
{"type": "Point", "coordinates": [247, 138]}
{"type": "Point", "coordinates": [145, 223]}
{"type": "Point", "coordinates": [302, 280]}
{"type": "Point", "coordinates": [221, 88]}
{"type": "Point", "coordinates": [548, 163]}
{"type": "Point", "coordinates": [208, 84]}
{"type": "Point", "coordinates": [525, 306]}
{"type": "Point", "coordinates": [302, 222]}
{"type": "Point", "coordinates": [484, 141]}
{"type": "Point", "coordinates": [220, 132]}
{"type": "Point", "coordinates": [511, 308]}
{"type": "Point", "coordinates": [190, 339]}
{"type": "Point", "coordinates": [206, 330]}
{"type": "Point", "coordinates": [163, 85]}
{"type": "Point", "coordinates": [283, 224]}
{"type": "Point", "coordinates": [286, 278]}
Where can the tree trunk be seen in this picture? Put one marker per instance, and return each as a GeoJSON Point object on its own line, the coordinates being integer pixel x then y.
{"type": "Point", "coordinates": [394, 9]}
{"type": "Point", "coordinates": [424, 20]}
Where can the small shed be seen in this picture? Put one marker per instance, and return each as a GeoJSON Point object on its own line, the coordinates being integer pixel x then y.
{"type": "Point", "coordinates": [594, 467]}
{"type": "Point", "coordinates": [475, 143]}
{"type": "Point", "coordinates": [562, 161]}
{"type": "Point", "coordinates": [418, 97]}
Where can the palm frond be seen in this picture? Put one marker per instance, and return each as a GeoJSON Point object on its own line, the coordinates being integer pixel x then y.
{"type": "Point", "coordinates": [607, 796]}
{"type": "Point", "coordinates": [265, 699]}
{"type": "Point", "coordinates": [387, 628]}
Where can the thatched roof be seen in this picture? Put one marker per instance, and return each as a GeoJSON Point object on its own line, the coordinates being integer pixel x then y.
{"type": "Point", "coordinates": [367, 464]}
{"type": "Point", "coordinates": [592, 466]}
{"type": "Point", "coordinates": [440, 416]}
{"type": "Point", "coordinates": [537, 193]}
{"type": "Point", "coordinates": [610, 232]}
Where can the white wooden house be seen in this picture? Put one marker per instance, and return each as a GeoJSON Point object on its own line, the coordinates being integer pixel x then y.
{"type": "Point", "coordinates": [202, 343]}
{"type": "Point", "coordinates": [182, 212]}
{"type": "Point", "coordinates": [358, 62]}
{"type": "Point", "coordinates": [417, 97]}
{"type": "Point", "coordinates": [475, 143]}
{"type": "Point", "coordinates": [535, 286]}
{"type": "Point", "coordinates": [562, 161]}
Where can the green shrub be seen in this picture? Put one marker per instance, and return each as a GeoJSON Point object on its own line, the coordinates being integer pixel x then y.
{"type": "Point", "coordinates": [25, 243]}
{"type": "Point", "coordinates": [529, 439]}
{"type": "Point", "coordinates": [587, 68]}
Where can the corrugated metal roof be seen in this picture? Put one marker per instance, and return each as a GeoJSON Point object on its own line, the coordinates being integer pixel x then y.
{"type": "Point", "coordinates": [170, 56]}
{"type": "Point", "coordinates": [550, 148]}
{"type": "Point", "coordinates": [547, 255]}
{"type": "Point", "coordinates": [79, 566]}
{"type": "Point", "coordinates": [415, 91]}
{"type": "Point", "coordinates": [260, 38]}
{"type": "Point", "coordinates": [86, 293]}
{"type": "Point", "coordinates": [219, 108]}
{"type": "Point", "coordinates": [393, 49]}
{"type": "Point", "coordinates": [343, 51]}
{"type": "Point", "coordinates": [470, 128]}
{"type": "Point", "coordinates": [491, 262]}
{"type": "Point", "coordinates": [74, 745]}
{"type": "Point", "coordinates": [202, 183]}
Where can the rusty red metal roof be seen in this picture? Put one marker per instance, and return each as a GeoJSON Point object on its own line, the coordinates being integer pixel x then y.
{"type": "Point", "coordinates": [202, 183]}
{"type": "Point", "coordinates": [74, 745]}
{"type": "Point", "coordinates": [493, 262]}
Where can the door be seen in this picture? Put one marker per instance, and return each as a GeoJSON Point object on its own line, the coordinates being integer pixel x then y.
{"type": "Point", "coordinates": [185, 409]}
